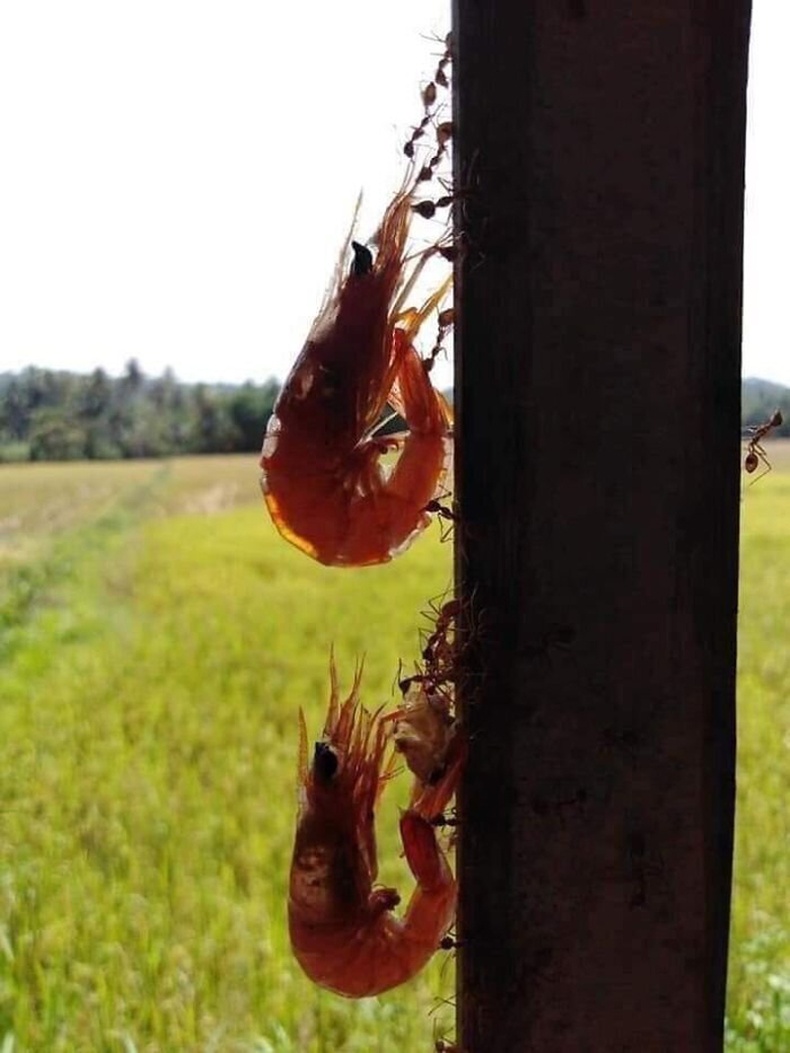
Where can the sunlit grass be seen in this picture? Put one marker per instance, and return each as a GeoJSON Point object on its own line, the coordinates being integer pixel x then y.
{"type": "Point", "coordinates": [148, 776]}
{"type": "Point", "coordinates": [759, 1005]}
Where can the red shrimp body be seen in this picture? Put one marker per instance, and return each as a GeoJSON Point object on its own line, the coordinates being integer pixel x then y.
{"type": "Point", "coordinates": [343, 931]}
{"type": "Point", "coordinates": [322, 479]}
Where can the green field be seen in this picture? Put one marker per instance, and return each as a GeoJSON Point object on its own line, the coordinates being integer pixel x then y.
{"type": "Point", "coordinates": [156, 641]}
{"type": "Point", "coordinates": [759, 1002]}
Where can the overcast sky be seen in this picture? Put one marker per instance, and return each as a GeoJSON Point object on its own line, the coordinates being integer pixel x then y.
{"type": "Point", "coordinates": [177, 175]}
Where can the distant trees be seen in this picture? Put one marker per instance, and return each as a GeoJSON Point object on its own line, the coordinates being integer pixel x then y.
{"type": "Point", "coordinates": [759, 398]}
{"type": "Point", "coordinates": [48, 415]}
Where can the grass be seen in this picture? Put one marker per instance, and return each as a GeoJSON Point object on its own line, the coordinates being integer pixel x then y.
{"type": "Point", "coordinates": [156, 642]}
{"type": "Point", "coordinates": [153, 669]}
{"type": "Point", "coordinates": [759, 1004]}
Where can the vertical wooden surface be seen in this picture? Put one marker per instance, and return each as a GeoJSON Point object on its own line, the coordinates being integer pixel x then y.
{"type": "Point", "coordinates": [599, 154]}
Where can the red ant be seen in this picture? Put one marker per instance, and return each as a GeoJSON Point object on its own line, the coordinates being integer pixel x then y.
{"type": "Point", "coordinates": [445, 324]}
{"type": "Point", "coordinates": [440, 1043]}
{"type": "Point", "coordinates": [755, 454]}
{"type": "Point", "coordinates": [408, 147]}
{"type": "Point", "coordinates": [427, 209]}
{"type": "Point", "coordinates": [449, 943]}
{"type": "Point", "coordinates": [442, 512]}
{"type": "Point", "coordinates": [444, 819]}
{"type": "Point", "coordinates": [441, 640]}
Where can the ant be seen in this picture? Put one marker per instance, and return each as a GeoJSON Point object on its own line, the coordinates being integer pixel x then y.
{"type": "Point", "coordinates": [445, 324]}
{"type": "Point", "coordinates": [439, 652]}
{"type": "Point", "coordinates": [444, 626]}
{"type": "Point", "coordinates": [442, 512]}
{"type": "Point", "coordinates": [444, 819]}
{"type": "Point", "coordinates": [440, 76]}
{"type": "Point", "coordinates": [755, 454]}
{"type": "Point", "coordinates": [417, 133]}
{"type": "Point", "coordinates": [449, 943]}
{"type": "Point", "coordinates": [427, 209]}
{"type": "Point", "coordinates": [440, 1043]}
{"type": "Point", "coordinates": [444, 133]}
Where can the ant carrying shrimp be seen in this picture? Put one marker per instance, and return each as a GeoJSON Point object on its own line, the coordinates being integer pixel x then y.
{"type": "Point", "coordinates": [444, 325]}
{"type": "Point", "coordinates": [425, 729]}
{"type": "Point", "coordinates": [343, 930]}
{"type": "Point", "coordinates": [755, 454]}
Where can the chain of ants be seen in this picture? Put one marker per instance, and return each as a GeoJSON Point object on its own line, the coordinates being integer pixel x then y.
{"type": "Point", "coordinates": [427, 208]}
{"type": "Point", "coordinates": [437, 675]}
{"type": "Point", "coordinates": [438, 672]}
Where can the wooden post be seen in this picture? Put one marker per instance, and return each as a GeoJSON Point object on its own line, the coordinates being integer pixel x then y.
{"type": "Point", "coordinates": [599, 178]}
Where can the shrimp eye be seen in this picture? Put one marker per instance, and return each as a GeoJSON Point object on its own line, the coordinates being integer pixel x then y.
{"type": "Point", "coordinates": [362, 263]}
{"type": "Point", "coordinates": [324, 761]}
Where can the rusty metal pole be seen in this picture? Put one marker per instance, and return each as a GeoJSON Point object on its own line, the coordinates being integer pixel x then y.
{"type": "Point", "coordinates": [599, 177]}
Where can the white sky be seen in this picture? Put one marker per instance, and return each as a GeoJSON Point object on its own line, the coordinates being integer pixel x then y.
{"type": "Point", "coordinates": [177, 176]}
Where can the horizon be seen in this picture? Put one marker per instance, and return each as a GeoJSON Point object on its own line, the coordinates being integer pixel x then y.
{"type": "Point", "coordinates": [147, 375]}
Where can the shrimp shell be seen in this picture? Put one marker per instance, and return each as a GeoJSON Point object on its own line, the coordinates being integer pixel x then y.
{"type": "Point", "coordinates": [343, 931]}
{"type": "Point", "coordinates": [322, 478]}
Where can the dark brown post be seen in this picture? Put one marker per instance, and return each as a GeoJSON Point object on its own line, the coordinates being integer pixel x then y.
{"type": "Point", "coordinates": [600, 155]}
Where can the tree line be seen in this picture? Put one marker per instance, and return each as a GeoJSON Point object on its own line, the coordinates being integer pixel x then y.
{"type": "Point", "coordinates": [53, 415]}
{"type": "Point", "coordinates": [759, 399]}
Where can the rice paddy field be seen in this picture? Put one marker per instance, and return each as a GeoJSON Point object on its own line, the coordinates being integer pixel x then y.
{"type": "Point", "coordinates": [157, 639]}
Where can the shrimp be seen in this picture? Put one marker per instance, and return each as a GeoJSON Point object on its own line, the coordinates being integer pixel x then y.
{"type": "Point", "coordinates": [343, 931]}
{"type": "Point", "coordinates": [433, 746]}
{"type": "Point", "coordinates": [322, 477]}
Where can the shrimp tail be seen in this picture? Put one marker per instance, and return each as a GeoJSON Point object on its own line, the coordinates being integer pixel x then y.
{"type": "Point", "coordinates": [430, 799]}
{"type": "Point", "coordinates": [426, 860]}
{"type": "Point", "coordinates": [431, 909]}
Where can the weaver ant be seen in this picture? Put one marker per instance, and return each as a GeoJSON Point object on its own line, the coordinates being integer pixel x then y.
{"type": "Point", "coordinates": [445, 324]}
{"type": "Point", "coordinates": [449, 943]}
{"type": "Point", "coordinates": [755, 454]}
{"type": "Point", "coordinates": [427, 209]}
{"type": "Point", "coordinates": [444, 819]}
{"type": "Point", "coordinates": [440, 1043]}
{"type": "Point", "coordinates": [442, 512]}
